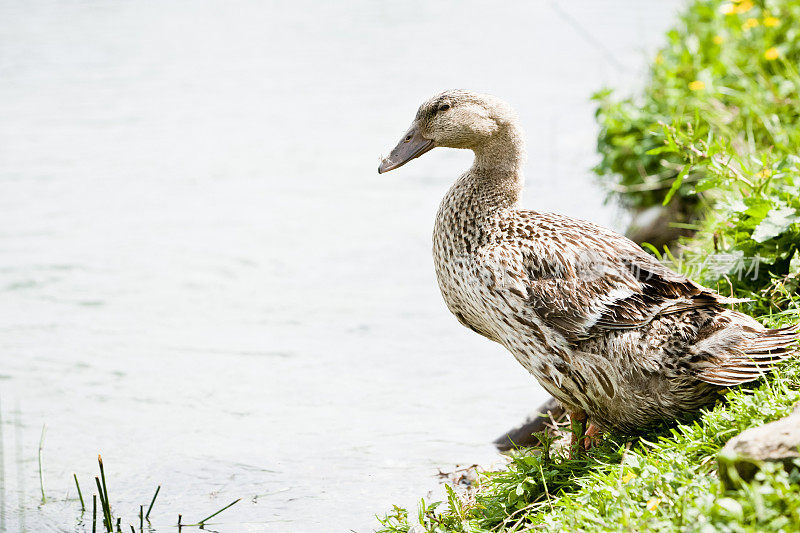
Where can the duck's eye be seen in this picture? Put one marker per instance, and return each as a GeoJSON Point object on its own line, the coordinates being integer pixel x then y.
{"type": "Point", "coordinates": [408, 137]}
{"type": "Point", "coordinates": [444, 107]}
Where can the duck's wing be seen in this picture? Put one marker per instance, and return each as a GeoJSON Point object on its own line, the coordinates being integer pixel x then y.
{"type": "Point", "coordinates": [582, 279]}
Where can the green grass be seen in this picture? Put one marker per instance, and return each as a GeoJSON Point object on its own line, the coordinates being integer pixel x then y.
{"type": "Point", "coordinates": [666, 480]}
{"type": "Point", "coordinates": [717, 132]}
{"type": "Point", "coordinates": [731, 64]}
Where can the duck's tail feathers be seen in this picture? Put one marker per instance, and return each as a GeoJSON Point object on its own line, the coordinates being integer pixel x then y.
{"type": "Point", "coordinates": [753, 358]}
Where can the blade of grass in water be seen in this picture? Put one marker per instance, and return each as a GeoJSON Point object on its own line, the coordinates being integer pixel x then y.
{"type": "Point", "coordinates": [104, 506]}
{"type": "Point", "coordinates": [80, 495]}
{"type": "Point", "coordinates": [103, 477]}
{"type": "Point", "coordinates": [147, 516]}
{"type": "Point", "coordinates": [105, 495]}
{"type": "Point", "coordinates": [204, 520]}
{"type": "Point", "coordinates": [41, 473]}
{"type": "Point", "coordinates": [94, 513]}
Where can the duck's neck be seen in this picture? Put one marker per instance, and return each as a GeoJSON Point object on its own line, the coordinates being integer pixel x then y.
{"type": "Point", "coordinates": [497, 169]}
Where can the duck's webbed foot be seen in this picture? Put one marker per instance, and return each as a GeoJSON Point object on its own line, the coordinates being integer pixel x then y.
{"type": "Point", "coordinates": [577, 421]}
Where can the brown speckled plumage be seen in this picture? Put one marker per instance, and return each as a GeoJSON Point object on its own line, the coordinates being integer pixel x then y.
{"type": "Point", "coordinates": [604, 327]}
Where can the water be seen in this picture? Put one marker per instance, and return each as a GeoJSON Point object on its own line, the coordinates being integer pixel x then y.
{"type": "Point", "coordinates": [204, 279]}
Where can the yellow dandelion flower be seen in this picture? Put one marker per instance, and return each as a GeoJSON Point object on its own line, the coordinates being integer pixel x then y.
{"type": "Point", "coordinates": [627, 477]}
{"type": "Point", "coordinates": [653, 503]}
{"type": "Point", "coordinates": [718, 39]}
{"type": "Point", "coordinates": [764, 173]}
{"type": "Point", "coordinates": [727, 9]}
{"type": "Point", "coordinates": [750, 23]}
{"type": "Point", "coordinates": [771, 54]}
{"type": "Point", "coordinates": [744, 6]}
{"type": "Point", "coordinates": [697, 85]}
{"type": "Point", "coordinates": [771, 21]}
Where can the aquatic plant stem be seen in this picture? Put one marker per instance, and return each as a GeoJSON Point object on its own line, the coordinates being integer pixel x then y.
{"type": "Point", "coordinates": [103, 477]}
{"type": "Point", "coordinates": [106, 511]}
{"type": "Point", "coordinates": [204, 520]}
{"type": "Point", "coordinates": [41, 473]}
{"type": "Point", "coordinates": [147, 516]}
{"type": "Point", "coordinates": [80, 495]}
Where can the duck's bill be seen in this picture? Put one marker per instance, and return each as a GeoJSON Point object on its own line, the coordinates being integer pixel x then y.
{"type": "Point", "coordinates": [410, 147]}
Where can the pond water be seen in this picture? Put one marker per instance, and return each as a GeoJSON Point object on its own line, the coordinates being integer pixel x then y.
{"type": "Point", "coordinates": [203, 277]}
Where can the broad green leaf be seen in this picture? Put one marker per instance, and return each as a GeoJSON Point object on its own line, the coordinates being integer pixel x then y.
{"type": "Point", "coordinates": [794, 265]}
{"type": "Point", "coordinates": [758, 208]}
{"type": "Point", "coordinates": [776, 222]}
{"type": "Point", "coordinates": [734, 205]}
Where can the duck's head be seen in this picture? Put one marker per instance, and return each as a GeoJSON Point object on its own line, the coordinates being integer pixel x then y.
{"type": "Point", "coordinates": [454, 119]}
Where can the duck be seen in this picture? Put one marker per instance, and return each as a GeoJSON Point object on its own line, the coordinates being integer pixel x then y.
{"type": "Point", "coordinates": [619, 339]}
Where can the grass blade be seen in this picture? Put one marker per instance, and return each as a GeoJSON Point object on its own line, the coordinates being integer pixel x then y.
{"type": "Point", "coordinates": [104, 505]}
{"type": "Point", "coordinates": [103, 477]}
{"type": "Point", "coordinates": [677, 183]}
{"type": "Point", "coordinates": [94, 513]}
{"type": "Point", "coordinates": [41, 474]}
{"type": "Point", "coordinates": [80, 495]}
{"type": "Point", "coordinates": [147, 516]}
{"type": "Point", "coordinates": [105, 499]}
{"type": "Point", "coordinates": [204, 520]}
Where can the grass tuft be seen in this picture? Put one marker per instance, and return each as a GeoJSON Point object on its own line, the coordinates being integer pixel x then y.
{"type": "Point", "coordinates": [150, 508]}
{"type": "Point", "coordinates": [206, 519]}
{"type": "Point", "coordinates": [80, 494]}
{"type": "Point", "coordinates": [663, 481]}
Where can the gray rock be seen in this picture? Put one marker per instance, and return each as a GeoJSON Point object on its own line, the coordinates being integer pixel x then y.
{"type": "Point", "coordinates": [745, 453]}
